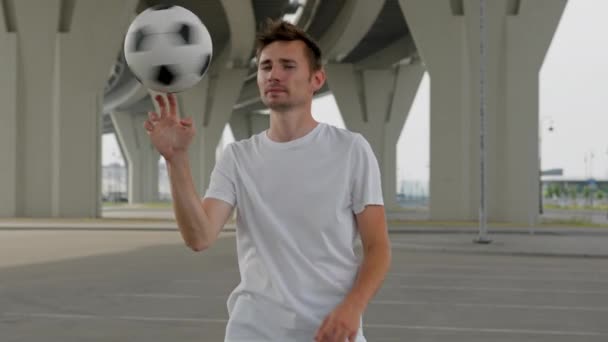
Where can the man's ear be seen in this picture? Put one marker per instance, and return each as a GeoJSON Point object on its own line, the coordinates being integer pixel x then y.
{"type": "Point", "coordinates": [318, 77]}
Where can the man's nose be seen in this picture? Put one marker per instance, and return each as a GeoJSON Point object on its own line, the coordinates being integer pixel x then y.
{"type": "Point", "coordinates": [274, 74]}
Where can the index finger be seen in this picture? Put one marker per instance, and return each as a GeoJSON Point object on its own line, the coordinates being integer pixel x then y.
{"type": "Point", "coordinates": [320, 335]}
{"type": "Point", "coordinates": [161, 105]}
{"type": "Point", "coordinates": [172, 105]}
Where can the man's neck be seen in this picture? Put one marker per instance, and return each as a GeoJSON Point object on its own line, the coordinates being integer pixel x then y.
{"type": "Point", "coordinates": [290, 125]}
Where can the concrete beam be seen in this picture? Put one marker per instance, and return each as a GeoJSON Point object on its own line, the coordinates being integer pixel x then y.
{"type": "Point", "coordinates": [349, 28]}
{"type": "Point", "coordinates": [392, 54]}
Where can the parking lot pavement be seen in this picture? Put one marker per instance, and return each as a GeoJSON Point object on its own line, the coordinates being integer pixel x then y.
{"type": "Point", "coordinates": [95, 285]}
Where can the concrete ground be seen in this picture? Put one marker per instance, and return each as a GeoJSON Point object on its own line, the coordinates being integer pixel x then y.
{"type": "Point", "coordinates": [113, 280]}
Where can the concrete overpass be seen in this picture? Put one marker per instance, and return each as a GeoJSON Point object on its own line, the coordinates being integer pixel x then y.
{"type": "Point", "coordinates": [58, 97]}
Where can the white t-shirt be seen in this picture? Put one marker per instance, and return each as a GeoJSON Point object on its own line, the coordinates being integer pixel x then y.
{"type": "Point", "coordinates": [296, 229]}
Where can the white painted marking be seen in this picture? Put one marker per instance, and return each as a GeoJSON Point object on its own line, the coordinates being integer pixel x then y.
{"type": "Point", "coordinates": [493, 289]}
{"type": "Point", "coordinates": [124, 318]}
{"type": "Point", "coordinates": [193, 281]}
{"type": "Point", "coordinates": [50, 315]}
{"type": "Point", "coordinates": [472, 276]}
{"type": "Point", "coordinates": [495, 306]}
{"type": "Point", "coordinates": [486, 330]}
{"type": "Point", "coordinates": [485, 267]}
{"type": "Point", "coordinates": [373, 326]}
{"type": "Point", "coordinates": [158, 295]}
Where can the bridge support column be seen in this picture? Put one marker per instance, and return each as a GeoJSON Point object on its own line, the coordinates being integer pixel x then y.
{"type": "Point", "coordinates": [54, 104]}
{"type": "Point", "coordinates": [141, 156]}
{"type": "Point", "coordinates": [518, 34]}
{"type": "Point", "coordinates": [376, 103]}
{"type": "Point", "coordinates": [8, 120]}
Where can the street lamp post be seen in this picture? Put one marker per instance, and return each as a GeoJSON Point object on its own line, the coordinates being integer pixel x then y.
{"type": "Point", "coordinates": [543, 121]}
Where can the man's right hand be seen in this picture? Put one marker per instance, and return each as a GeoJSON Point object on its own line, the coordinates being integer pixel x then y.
{"type": "Point", "coordinates": [169, 134]}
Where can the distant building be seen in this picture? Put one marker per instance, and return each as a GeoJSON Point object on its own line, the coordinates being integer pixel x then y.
{"type": "Point", "coordinates": [413, 193]}
{"type": "Point", "coordinates": [114, 183]}
{"type": "Point", "coordinates": [575, 183]}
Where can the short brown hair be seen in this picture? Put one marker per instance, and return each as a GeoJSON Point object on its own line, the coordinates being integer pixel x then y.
{"type": "Point", "coordinates": [280, 30]}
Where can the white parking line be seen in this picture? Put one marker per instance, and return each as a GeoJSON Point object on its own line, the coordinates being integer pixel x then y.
{"type": "Point", "coordinates": [496, 277]}
{"type": "Point", "coordinates": [124, 318]}
{"type": "Point", "coordinates": [46, 315]}
{"type": "Point", "coordinates": [487, 330]}
{"type": "Point", "coordinates": [372, 326]}
{"type": "Point", "coordinates": [193, 281]}
{"type": "Point", "coordinates": [201, 281]}
{"type": "Point", "coordinates": [494, 306]}
{"type": "Point", "coordinates": [382, 302]}
{"type": "Point", "coordinates": [156, 295]}
{"type": "Point", "coordinates": [507, 267]}
{"type": "Point", "coordinates": [493, 289]}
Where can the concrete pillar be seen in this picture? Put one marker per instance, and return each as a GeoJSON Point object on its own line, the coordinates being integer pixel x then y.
{"type": "Point", "coordinates": [245, 124]}
{"type": "Point", "coordinates": [57, 92]}
{"type": "Point", "coordinates": [8, 117]}
{"type": "Point", "coordinates": [81, 79]}
{"type": "Point", "coordinates": [440, 45]}
{"type": "Point", "coordinates": [529, 33]}
{"type": "Point", "coordinates": [517, 36]}
{"type": "Point", "coordinates": [375, 103]}
{"type": "Point", "coordinates": [142, 157]}
{"type": "Point", "coordinates": [36, 24]}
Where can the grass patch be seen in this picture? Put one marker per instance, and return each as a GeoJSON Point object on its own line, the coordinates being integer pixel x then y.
{"type": "Point", "coordinates": [599, 208]}
{"type": "Point", "coordinates": [572, 222]}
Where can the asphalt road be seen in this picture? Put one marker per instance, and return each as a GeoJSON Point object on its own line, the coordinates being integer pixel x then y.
{"type": "Point", "coordinates": [62, 286]}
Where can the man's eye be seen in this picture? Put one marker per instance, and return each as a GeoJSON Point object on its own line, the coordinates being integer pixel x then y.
{"type": "Point", "coordinates": [266, 68]}
{"type": "Point", "coordinates": [289, 67]}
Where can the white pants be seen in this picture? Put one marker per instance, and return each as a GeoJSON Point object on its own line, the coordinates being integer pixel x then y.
{"type": "Point", "coordinates": [254, 320]}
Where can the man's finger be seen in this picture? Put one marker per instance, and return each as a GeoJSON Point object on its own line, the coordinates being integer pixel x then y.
{"type": "Point", "coordinates": [172, 105]}
{"type": "Point", "coordinates": [162, 106]}
{"type": "Point", "coordinates": [321, 332]}
{"type": "Point", "coordinates": [186, 121]}
{"type": "Point", "coordinates": [153, 116]}
{"type": "Point", "coordinates": [340, 334]}
{"type": "Point", "coordinates": [149, 126]}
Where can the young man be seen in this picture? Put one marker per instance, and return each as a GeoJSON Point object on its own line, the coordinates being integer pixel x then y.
{"type": "Point", "coordinates": [304, 193]}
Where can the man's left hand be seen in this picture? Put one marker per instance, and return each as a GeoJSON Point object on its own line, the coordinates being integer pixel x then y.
{"type": "Point", "coordinates": [340, 325]}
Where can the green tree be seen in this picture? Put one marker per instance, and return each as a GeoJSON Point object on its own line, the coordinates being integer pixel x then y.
{"type": "Point", "coordinates": [572, 192]}
{"type": "Point", "coordinates": [549, 191]}
{"type": "Point", "coordinates": [588, 194]}
{"type": "Point", "coordinates": [557, 191]}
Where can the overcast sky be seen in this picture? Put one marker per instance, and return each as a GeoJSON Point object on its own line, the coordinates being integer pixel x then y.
{"type": "Point", "coordinates": [573, 100]}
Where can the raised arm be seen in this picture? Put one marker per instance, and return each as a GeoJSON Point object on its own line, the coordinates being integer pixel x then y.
{"type": "Point", "coordinates": [199, 221]}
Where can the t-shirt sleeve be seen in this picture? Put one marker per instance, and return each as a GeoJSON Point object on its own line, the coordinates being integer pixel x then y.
{"type": "Point", "coordinates": [222, 183]}
{"type": "Point", "coordinates": [366, 188]}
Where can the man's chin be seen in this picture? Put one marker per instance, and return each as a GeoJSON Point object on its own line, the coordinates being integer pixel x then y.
{"type": "Point", "coordinates": [278, 106]}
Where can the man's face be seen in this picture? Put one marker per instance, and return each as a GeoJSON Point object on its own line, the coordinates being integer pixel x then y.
{"type": "Point", "coordinates": [285, 78]}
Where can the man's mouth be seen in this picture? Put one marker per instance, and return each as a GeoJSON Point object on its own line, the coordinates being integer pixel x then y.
{"type": "Point", "coordinates": [275, 90]}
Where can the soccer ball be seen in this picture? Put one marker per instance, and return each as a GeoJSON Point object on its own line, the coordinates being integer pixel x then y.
{"type": "Point", "coordinates": [168, 48]}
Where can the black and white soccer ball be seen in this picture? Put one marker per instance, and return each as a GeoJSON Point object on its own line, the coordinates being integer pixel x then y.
{"type": "Point", "coordinates": [168, 48]}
